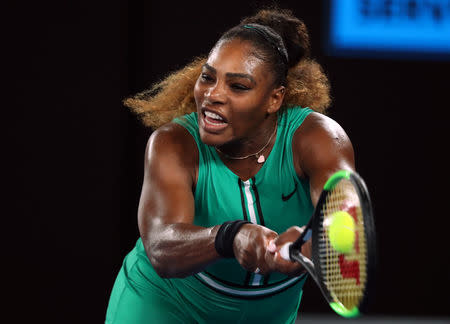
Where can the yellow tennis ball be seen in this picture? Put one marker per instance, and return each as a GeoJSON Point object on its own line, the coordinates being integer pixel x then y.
{"type": "Point", "coordinates": [341, 232]}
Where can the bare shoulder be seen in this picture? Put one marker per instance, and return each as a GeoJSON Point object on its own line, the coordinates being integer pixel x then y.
{"type": "Point", "coordinates": [321, 140]}
{"type": "Point", "coordinates": [172, 146]}
{"type": "Point", "coordinates": [171, 137]}
{"type": "Point", "coordinates": [318, 126]}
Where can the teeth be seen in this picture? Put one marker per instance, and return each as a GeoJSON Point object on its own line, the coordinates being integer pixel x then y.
{"type": "Point", "coordinates": [213, 115]}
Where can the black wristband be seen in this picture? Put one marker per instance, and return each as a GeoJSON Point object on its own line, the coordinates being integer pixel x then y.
{"type": "Point", "coordinates": [225, 237]}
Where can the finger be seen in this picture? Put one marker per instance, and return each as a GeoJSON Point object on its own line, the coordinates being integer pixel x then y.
{"type": "Point", "coordinates": [277, 264]}
{"type": "Point", "coordinates": [263, 267]}
{"type": "Point", "coordinates": [291, 235]}
{"type": "Point", "coordinates": [287, 267]}
{"type": "Point", "coordinates": [270, 238]}
{"type": "Point", "coordinates": [272, 247]}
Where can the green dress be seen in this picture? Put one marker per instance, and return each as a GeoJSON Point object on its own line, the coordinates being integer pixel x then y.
{"type": "Point", "coordinates": [224, 292]}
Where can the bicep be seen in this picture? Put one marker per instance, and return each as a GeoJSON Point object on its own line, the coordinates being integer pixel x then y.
{"type": "Point", "coordinates": [324, 149]}
{"type": "Point", "coordinates": [166, 196]}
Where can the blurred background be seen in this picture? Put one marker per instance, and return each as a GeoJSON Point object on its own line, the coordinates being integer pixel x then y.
{"type": "Point", "coordinates": [74, 154]}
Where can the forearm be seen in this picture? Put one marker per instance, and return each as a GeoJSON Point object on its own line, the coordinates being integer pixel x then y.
{"type": "Point", "coordinates": [180, 250]}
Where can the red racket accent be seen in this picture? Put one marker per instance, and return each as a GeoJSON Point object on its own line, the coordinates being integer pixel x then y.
{"type": "Point", "coordinates": [349, 269]}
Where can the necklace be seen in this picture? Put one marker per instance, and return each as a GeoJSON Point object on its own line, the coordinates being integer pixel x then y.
{"type": "Point", "coordinates": [260, 157]}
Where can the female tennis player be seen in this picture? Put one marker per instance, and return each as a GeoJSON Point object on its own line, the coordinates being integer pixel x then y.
{"type": "Point", "coordinates": [240, 155]}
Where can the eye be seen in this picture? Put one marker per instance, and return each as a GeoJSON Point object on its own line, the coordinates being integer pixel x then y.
{"type": "Point", "coordinates": [239, 87]}
{"type": "Point", "coordinates": [206, 77]}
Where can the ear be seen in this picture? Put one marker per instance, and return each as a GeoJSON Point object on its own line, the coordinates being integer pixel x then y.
{"type": "Point", "coordinates": [276, 99]}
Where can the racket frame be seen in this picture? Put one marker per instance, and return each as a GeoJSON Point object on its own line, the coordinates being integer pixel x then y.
{"type": "Point", "coordinates": [313, 267]}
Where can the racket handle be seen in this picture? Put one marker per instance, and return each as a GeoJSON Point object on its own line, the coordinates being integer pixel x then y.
{"type": "Point", "coordinates": [284, 251]}
{"type": "Point", "coordinates": [305, 236]}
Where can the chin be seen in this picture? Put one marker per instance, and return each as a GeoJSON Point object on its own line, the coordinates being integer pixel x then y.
{"type": "Point", "coordinates": [211, 139]}
{"type": "Point", "coordinates": [213, 135]}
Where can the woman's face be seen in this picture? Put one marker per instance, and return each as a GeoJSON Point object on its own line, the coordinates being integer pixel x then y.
{"type": "Point", "coordinates": [234, 94]}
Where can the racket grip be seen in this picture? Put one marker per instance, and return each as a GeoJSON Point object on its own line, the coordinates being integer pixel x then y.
{"type": "Point", "coordinates": [284, 251]}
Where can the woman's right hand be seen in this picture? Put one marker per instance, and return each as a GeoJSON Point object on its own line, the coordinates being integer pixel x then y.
{"type": "Point", "coordinates": [250, 247]}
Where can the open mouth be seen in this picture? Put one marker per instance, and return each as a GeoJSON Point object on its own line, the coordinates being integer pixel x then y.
{"type": "Point", "coordinates": [213, 118]}
{"type": "Point", "coordinates": [213, 121]}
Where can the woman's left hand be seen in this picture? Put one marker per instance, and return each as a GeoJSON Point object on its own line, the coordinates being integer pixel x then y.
{"type": "Point", "coordinates": [274, 259]}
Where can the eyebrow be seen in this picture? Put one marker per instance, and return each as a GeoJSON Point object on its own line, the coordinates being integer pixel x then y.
{"type": "Point", "coordinates": [230, 74]}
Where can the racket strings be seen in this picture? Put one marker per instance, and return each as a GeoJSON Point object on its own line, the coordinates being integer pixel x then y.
{"type": "Point", "coordinates": [344, 274]}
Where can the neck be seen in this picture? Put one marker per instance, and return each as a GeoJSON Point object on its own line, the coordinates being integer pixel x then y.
{"type": "Point", "coordinates": [263, 137]}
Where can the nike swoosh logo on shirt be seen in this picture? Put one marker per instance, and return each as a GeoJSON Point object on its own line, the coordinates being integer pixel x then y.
{"type": "Point", "coordinates": [286, 198]}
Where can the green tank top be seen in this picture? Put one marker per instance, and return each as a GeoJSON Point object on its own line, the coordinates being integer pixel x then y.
{"type": "Point", "coordinates": [275, 197]}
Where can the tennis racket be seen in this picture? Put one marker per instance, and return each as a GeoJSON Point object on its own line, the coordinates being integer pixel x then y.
{"type": "Point", "coordinates": [345, 279]}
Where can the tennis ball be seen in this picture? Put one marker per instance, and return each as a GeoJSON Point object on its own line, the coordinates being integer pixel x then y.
{"type": "Point", "coordinates": [341, 231]}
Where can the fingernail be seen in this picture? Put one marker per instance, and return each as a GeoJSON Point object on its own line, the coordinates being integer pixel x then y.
{"type": "Point", "coordinates": [271, 247]}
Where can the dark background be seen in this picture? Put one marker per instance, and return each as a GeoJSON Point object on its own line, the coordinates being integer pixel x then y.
{"type": "Point", "coordinates": [73, 155]}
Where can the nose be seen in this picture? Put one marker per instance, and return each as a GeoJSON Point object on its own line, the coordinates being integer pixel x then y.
{"type": "Point", "coordinates": [215, 94]}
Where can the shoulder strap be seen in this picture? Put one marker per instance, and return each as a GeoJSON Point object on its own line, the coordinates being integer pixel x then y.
{"type": "Point", "coordinates": [290, 120]}
{"type": "Point", "coordinates": [189, 122]}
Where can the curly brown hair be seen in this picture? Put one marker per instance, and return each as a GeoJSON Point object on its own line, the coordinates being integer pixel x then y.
{"type": "Point", "coordinates": [306, 83]}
